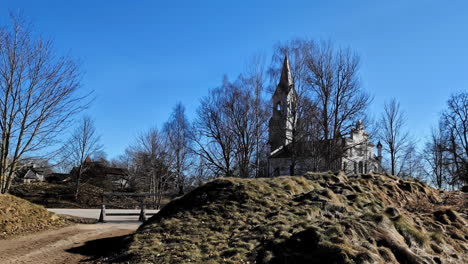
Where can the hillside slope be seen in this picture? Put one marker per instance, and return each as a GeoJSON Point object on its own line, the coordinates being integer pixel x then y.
{"type": "Point", "coordinates": [18, 216]}
{"type": "Point", "coordinates": [317, 218]}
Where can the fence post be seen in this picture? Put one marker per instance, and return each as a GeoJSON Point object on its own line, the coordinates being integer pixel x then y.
{"type": "Point", "coordinates": [142, 212]}
{"type": "Point", "coordinates": [102, 216]}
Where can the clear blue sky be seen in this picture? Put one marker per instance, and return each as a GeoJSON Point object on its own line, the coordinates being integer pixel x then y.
{"type": "Point", "coordinates": [142, 57]}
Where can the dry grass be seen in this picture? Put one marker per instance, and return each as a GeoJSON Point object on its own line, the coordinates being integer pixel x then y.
{"type": "Point", "coordinates": [18, 216]}
{"type": "Point", "coordinates": [317, 218]}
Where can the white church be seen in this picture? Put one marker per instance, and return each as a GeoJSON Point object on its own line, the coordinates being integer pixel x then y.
{"type": "Point", "coordinates": [356, 155]}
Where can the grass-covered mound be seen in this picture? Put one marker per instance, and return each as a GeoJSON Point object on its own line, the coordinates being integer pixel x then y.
{"type": "Point", "coordinates": [18, 216]}
{"type": "Point", "coordinates": [318, 218]}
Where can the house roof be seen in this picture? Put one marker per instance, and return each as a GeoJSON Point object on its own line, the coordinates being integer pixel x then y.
{"type": "Point", "coordinates": [31, 174]}
{"type": "Point", "coordinates": [98, 168]}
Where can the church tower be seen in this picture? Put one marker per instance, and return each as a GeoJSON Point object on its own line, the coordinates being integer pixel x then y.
{"type": "Point", "coordinates": [284, 109]}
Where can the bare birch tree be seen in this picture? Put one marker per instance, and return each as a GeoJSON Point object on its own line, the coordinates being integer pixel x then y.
{"type": "Point", "coordinates": [38, 95]}
{"type": "Point", "coordinates": [83, 143]}
{"type": "Point", "coordinates": [393, 133]}
{"type": "Point", "coordinates": [152, 162]}
{"type": "Point", "coordinates": [178, 133]}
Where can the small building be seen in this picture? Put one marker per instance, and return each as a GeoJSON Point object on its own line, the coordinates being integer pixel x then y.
{"type": "Point", "coordinates": [33, 175]}
{"type": "Point", "coordinates": [99, 174]}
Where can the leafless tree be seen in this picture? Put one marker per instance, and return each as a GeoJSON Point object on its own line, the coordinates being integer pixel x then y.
{"type": "Point", "coordinates": [83, 143]}
{"type": "Point", "coordinates": [39, 94]}
{"type": "Point", "coordinates": [231, 127]}
{"type": "Point", "coordinates": [393, 133]}
{"type": "Point", "coordinates": [214, 140]}
{"type": "Point", "coordinates": [254, 82]}
{"type": "Point", "coordinates": [335, 87]}
{"type": "Point", "coordinates": [178, 133]}
{"type": "Point", "coordinates": [412, 165]}
{"type": "Point", "coordinates": [435, 157]}
{"type": "Point", "coordinates": [152, 162]}
{"type": "Point", "coordinates": [455, 122]}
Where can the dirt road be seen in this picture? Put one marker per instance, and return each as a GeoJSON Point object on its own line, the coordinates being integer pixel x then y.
{"type": "Point", "coordinates": [73, 244]}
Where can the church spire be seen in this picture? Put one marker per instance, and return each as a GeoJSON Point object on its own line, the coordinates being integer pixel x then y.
{"type": "Point", "coordinates": [286, 78]}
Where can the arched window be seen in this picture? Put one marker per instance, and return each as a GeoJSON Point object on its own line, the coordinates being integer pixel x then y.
{"type": "Point", "coordinates": [360, 167]}
{"type": "Point", "coordinates": [278, 106]}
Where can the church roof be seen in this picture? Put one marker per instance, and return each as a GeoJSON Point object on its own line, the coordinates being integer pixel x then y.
{"type": "Point", "coordinates": [286, 77]}
{"type": "Point", "coordinates": [285, 83]}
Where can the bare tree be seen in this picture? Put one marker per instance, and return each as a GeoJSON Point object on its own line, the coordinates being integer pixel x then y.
{"type": "Point", "coordinates": [152, 164]}
{"type": "Point", "coordinates": [214, 140]}
{"type": "Point", "coordinates": [178, 133]}
{"type": "Point", "coordinates": [254, 82]}
{"type": "Point", "coordinates": [435, 157]}
{"type": "Point", "coordinates": [455, 122]}
{"type": "Point", "coordinates": [231, 127]}
{"type": "Point", "coordinates": [83, 143]}
{"type": "Point", "coordinates": [38, 95]}
{"type": "Point", "coordinates": [393, 133]}
{"type": "Point", "coordinates": [335, 87]}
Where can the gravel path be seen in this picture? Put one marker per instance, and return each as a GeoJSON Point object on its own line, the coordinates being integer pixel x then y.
{"type": "Point", "coordinates": [80, 243]}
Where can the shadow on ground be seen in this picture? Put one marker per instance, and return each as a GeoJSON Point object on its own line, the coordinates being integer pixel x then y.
{"type": "Point", "coordinates": [100, 248]}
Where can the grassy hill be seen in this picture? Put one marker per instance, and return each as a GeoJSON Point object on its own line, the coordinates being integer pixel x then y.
{"type": "Point", "coordinates": [18, 216]}
{"type": "Point", "coordinates": [317, 218]}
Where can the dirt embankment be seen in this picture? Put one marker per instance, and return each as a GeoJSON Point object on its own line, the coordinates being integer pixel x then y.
{"type": "Point", "coordinates": [317, 218]}
{"type": "Point", "coordinates": [18, 216]}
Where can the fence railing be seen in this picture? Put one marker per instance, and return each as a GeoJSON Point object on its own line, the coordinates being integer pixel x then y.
{"type": "Point", "coordinates": [142, 204]}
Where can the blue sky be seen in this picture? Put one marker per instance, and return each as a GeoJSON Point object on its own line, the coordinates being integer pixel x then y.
{"type": "Point", "coordinates": [142, 57]}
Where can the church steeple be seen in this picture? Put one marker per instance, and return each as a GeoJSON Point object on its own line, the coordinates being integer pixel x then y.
{"type": "Point", "coordinates": [286, 80]}
{"type": "Point", "coordinates": [284, 104]}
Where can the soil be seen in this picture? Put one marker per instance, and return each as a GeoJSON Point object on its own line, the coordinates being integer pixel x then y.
{"type": "Point", "coordinates": [81, 243]}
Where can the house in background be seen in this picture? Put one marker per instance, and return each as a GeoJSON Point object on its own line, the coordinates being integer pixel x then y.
{"type": "Point", "coordinates": [33, 175]}
{"type": "Point", "coordinates": [100, 174]}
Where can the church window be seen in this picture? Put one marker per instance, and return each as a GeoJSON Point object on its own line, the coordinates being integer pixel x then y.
{"type": "Point", "coordinates": [360, 167]}
{"type": "Point", "coordinates": [278, 106]}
